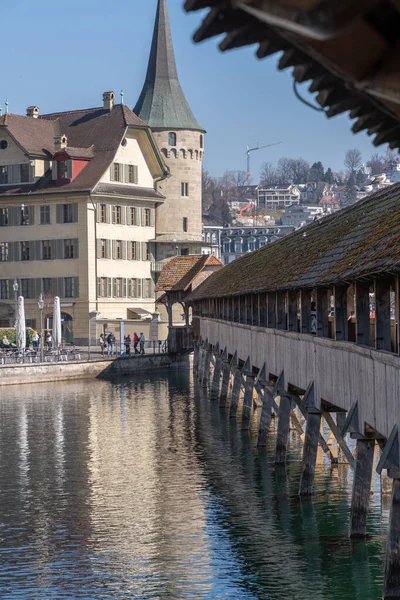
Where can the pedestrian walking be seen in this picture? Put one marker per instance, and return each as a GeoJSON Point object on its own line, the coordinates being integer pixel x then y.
{"type": "Point", "coordinates": [135, 342]}
{"type": "Point", "coordinates": [48, 339]}
{"type": "Point", "coordinates": [128, 344]}
{"type": "Point", "coordinates": [35, 341]}
{"type": "Point", "coordinates": [141, 342]}
{"type": "Point", "coordinates": [102, 343]}
{"type": "Point", "coordinates": [110, 344]}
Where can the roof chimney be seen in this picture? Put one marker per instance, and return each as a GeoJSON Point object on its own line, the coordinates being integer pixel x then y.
{"type": "Point", "coordinates": [32, 111]}
{"type": "Point", "coordinates": [60, 142]}
{"type": "Point", "coordinates": [108, 100]}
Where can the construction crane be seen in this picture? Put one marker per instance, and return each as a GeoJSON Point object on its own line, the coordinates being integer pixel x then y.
{"type": "Point", "coordinates": [249, 150]}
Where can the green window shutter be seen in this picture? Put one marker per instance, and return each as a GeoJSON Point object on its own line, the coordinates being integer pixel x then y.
{"type": "Point", "coordinates": [60, 287]}
{"type": "Point", "coordinates": [121, 173]}
{"type": "Point", "coordinates": [98, 213]}
{"type": "Point", "coordinates": [108, 248]}
{"type": "Point", "coordinates": [59, 213]}
{"type": "Point", "coordinates": [32, 251]}
{"type": "Point", "coordinates": [123, 215]}
{"type": "Point", "coordinates": [138, 254]}
{"type": "Point", "coordinates": [126, 169]}
{"type": "Point", "coordinates": [15, 173]}
{"type": "Point", "coordinates": [76, 287]}
{"type": "Point", "coordinates": [124, 249]}
{"type": "Point", "coordinates": [151, 250]}
{"type": "Point", "coordinates": [143, 250]}
{"type": "Point", "coordinates": [143, 288]}
{"type": "Point", "coordinates": [60, 249]}
{"type": "Point", "coordinates": [109, 287]}
{"type": "Point", "coordinates": [112, 172]}
{"type": "Point", "coordinates": [54, 169]}
{"type": "Point", "coordinates": [53, 249]}
{"type": "Point", "coordinates": [128, 215]}
{"type": "Point", "coordinates": [31, 215]}
{"type": "Point", "coordinates": [124, 287]}
{"type": "Point", "coordinates": [76, 248]}
{"type": "Point", "coordinates": [129, 288]}
{"type": "Point", "coordinates": [31, 288]}
{"type": "Point", "coordinates": [69, 169]}
{"type": "Point", "coordinates": [135, 174]}
{"type": "Point", "coordinates": [114, 249]}
{"type": "Point", "coordinates": [32, 172]}
{"type": "Point", "coordinates": [11, 248]}
{"type": "Point", "coordinates": [38, 250]}
{"type": "Point", "coordinates": [38, 287]}
{"type": "Point", "coordinates": [98, 248]}
{"type": "Point", "coordinates": [13, 214]}
{"type": "Point", "coordinates": [75, 213]}
{"type": "Point", "coordinates": [152, 288]}
{"type": "Point", "coordinates": [114, 281]}
{"type": "Point", "coordinates": [152, 217]}
{"type": "Point", "coordinates": [108, 213]}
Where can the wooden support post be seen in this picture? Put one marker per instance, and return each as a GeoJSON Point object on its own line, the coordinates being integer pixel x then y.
{"type": "Point", "coordinates": [216, 378]}
{"type": "Point", "coordinates": [281, 310]}
{"type": "Point", "coordinates": [247, 402]}
{"type": "Point", "coordinates": [263, 310]}
{"type": "Point", "coordinates": [391, 582]}
{"type": "Point", "coordinates": [361, 487]}
{"type": "Point", "coordinates": [237, 386]}
{"type": "Point", "coordinates": [226, 375]}
{"type": "Point", "coordinates": [305, 311]}
{"type": "Point", "coordinates": [265, 419]}
{"type": "Point", "coordinates": [292, 310]}
{"type": "Point", "coordinates": [207, 364]}
{"type": "Point", "coordinates": [195, 356]}
{"type": "Point", "coordinates": [386, 483]}
{"type": "Point", "coordinates": [272, 310]}
{"type": "Point", "coordinates": [382, 315]}
{"type": "Point", "coordinates": [336, 430]}
{"type": "Point", "coordinates": [201, 363]}
{"type": "Point", "coordinates": [283, 429]}
{"type": "Point", "coordinates": [322, 312]}
{"type": "Point", "coordinates": [340, 304]}
{"type": "Point", "coordinates": [310, 453]}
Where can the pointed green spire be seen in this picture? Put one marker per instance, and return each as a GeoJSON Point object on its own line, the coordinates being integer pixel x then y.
{"type": "Point", "coordinates": [162, 103]}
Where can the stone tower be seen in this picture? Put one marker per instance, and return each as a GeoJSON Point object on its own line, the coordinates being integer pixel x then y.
{"type": "Point", "coordinates": [162, 104]}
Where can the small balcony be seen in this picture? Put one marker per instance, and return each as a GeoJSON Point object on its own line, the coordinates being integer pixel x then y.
{"type": "Point", "coordinates": [156, 266]}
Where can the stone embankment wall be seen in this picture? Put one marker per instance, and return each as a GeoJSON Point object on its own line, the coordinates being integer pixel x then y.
{"type": "Point", "coordinates": [42, 373]}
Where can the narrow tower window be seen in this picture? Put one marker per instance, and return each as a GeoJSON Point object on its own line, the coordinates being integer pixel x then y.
{"type": "Point", "coordinates": [201, 141]}
{"type": "Point", "coordinates": [172, 139]}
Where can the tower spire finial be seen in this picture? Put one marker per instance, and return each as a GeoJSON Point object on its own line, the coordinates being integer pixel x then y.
{"type": "Point", "coordinates": [162, 103]}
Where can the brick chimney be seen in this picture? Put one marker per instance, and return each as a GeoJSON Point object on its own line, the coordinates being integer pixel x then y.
{"type": "Point", "coordinates": [108, 100]}
{"type": "Point", "coordinates": [60, 142]}
{"type": "Point", "coordinates": [32, 111]}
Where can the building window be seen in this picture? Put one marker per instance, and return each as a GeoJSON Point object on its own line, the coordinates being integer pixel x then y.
{"type": "Point", "coordinates": [118, 288]}
{"type": "Point", "coordinates": [103, 287]}
{"type": "Point", "coordinates": [147, 217]}
{"type": "Point", "coordinates": [117, 172]}
{"type": "Point", "coordinates": [226, 247]}
{"type": "Point", "coordinates": [69, 249]}
{"type": "Point", "coordinates": [45, 215]}
{"type": "Point", "coordinates": [46, 285]}
{"type": "Point", "coordinates": [69, 287]}
{"type": "Point", "coordinates": [67, 213]}
{"type": "Point", "coordinates": [251, 244]}
{"type": "Point", "coordinates": [3, 251]}
{"type": "Point", "coordinates": [184, 190]}
{"type": "Point", "coordinates": [24, 250]}
{"type": "Point", "coordinates": [27, 288]}
{"type": "Point", "coordinates": [62, 169]}
{"type": "Point", "coordinates": [24, 215]}
{"type": "Point", "coordinates": [146, 251]}
{"type": "Point", "coordinates": [24, 173]}
{"type": "Point", "coordinates": [172, 139]}
{"type": "Point", "coordinates": [118, 249]}
{"type": "Point", "coordinates": [214, 238]}
{"type": "Point", "coordinates": [185, 224]}
{"type": "Point", "coordinates": [147, 288]}
{"type": "Point", "coordinates": [134, 251]}
{"type": "Point", "coordinates": [103, 213]}
{"type": "Point", "coordinates": [184, 251]}
{"type": "Point", "coordinates": [46, 250]}
{"type": "Point", "coordinates": [3, 217]}
{"type": "Point", "coordinates": [4, 290]}
{"type": "Point", "coordinates": [103, 249]}
{"type": "Point", "coordinates": [131, 174]}
{"type": "Point", "coordinates": [201, 141]}
{"type": "Point", "coordinates": [238, 245]}
{"type": "Point", "coordinates": [117, 215]}
{"type": "Point", "coordinates": [134, 288]}
{"type": "Point", "coordinates": [3, 175]}
{"type": "Point", "coordinates": [132, 216]}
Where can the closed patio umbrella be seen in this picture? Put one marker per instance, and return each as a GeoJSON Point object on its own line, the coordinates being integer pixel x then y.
{"type": "Point", "coordinates": [57, 336]}
{"type": "Point", "coordinates": [20, 331]}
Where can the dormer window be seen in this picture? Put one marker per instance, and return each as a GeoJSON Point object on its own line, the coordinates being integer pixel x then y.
{"type": "Point", "coordinates": [172, 139]}
{"type": "Point", "coordinates": [64, 169]}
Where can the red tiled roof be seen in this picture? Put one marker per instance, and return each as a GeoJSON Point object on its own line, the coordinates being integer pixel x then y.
{"type": "Point", "coordinates": [179, 271]}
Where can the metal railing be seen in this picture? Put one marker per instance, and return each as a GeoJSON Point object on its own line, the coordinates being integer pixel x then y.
{"type": "Point", "coordinates": [156, 267]}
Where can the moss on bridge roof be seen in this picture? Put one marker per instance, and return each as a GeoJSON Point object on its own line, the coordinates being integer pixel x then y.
{"type": "Point", "coordinates": [359, 241]}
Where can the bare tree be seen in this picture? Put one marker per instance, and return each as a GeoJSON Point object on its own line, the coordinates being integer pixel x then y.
{"type": "Point", "coordinates": [208, 187]}
{"type": "Point", "coordinates": [269, 174]}
{"type": "Point", "coordinates": [233, 182]}
{"type": "Point", "coordinates": [353, 160]}
{"type": "Point", "coordinates": [293, 170]}
{"type": "Point", "coordinates": [376, 163]}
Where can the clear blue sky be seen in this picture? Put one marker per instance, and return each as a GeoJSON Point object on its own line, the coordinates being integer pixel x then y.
{"type": "Point", "coordinates": [63, 55]}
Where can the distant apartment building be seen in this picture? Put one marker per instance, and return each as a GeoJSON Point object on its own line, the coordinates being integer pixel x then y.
{"type": "Point", "coordinates": [236, 241]}
{"type": "Point", "coordinates": [277, 197]}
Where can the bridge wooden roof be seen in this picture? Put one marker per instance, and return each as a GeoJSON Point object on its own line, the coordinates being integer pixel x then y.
{"type": "Point", "coordinates": [360, 241]}
{"type": "Point", "coordinates": [348, 51]}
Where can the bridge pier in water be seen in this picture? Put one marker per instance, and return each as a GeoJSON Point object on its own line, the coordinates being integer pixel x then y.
{"type": "Point", "coordinates": [228, 377]}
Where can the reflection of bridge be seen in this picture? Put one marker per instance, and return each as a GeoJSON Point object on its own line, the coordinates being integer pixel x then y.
{"type": "Point", "coordinates": [259, 311]}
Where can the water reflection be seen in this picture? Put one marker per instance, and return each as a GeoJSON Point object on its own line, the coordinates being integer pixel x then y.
{"type": "Point", "coordinates": [145, 489]}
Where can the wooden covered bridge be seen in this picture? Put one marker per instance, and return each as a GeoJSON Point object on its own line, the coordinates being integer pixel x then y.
{"type": "Point", "coordinates": [314, 318]}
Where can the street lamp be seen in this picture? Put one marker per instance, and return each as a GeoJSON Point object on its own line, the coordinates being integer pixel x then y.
{"type": "Point", "coordinates": [41, 306]}
{"type": "Point", "coordinates": [15, 288]}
